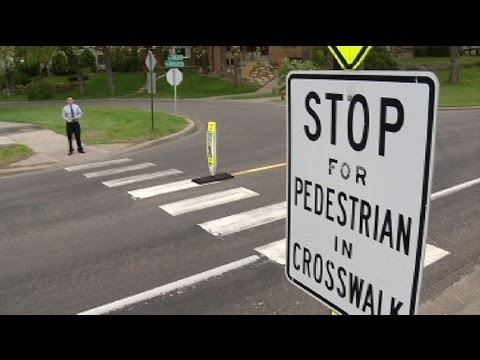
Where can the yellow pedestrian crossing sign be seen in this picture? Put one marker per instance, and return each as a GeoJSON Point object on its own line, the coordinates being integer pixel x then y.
{"type": "Point", "coordinates": [349, 57]}
{"type": "Point", "coordinates": [212, 147]}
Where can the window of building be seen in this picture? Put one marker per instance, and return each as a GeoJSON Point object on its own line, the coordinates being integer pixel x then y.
{"type": "Point", "coordinates": [185, 51]}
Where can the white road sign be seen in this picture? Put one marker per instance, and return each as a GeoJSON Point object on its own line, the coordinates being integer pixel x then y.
{"type": "Point", "coordinates": [174, 77]}
{"type": "Point", "coordinates": [360, 156]}
{"type": "Point", "coordinates": [150, 61]}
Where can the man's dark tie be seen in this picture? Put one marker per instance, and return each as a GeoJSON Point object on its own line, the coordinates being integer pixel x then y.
{"type": "Point", "coordinates": [71, 111]}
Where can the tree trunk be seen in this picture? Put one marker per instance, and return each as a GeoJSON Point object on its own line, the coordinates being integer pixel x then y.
{"type": "Point", "coordinates": [455, 65]}
{"type": "Point", "coordinates": [74, 62]}
{"type": "Point", "coordinates": [108, 68]}
{"type": "Point", "coordinates": [237, 70]}
{"type": "Point", "coordinates": [81, 80]}
{"type": "Point", "coordinates": [8, 82]}
{"type": "Point", "coordinates": [330, 60]}
{"type": "Point", "coordinates": [222, 60]}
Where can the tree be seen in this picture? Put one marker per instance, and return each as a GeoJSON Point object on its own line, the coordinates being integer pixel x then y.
{"type": "Point", "coordinates": [107, 57]}
{"type": "Point", "coordinates": [7, 65]}
{"type": "Point", "coordinates": [71, 52]}
{"type": "Point", "coordinates": [237, 70]}
{"type": "Point", "coordinates": [455, 52]}
{"type": "Point", "coordinates": [43, 55]}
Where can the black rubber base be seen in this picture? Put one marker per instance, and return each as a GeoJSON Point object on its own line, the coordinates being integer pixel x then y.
{"type": "Point", "coordinates": [207, 179]}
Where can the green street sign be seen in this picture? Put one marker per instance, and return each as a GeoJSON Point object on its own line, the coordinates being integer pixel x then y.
{"type": "Point", "coordinates": [175, 57]}
{"type": "Point", "coordinates": [174, 64]}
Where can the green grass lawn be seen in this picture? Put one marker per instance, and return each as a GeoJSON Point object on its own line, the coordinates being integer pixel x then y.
{"type": "Point", "coordinates": [10, 154]}
{"type": "Point", "coordinates": [97, 85]}
{"type": "Point", "coordinates": [436, 61]}
{"type": "Point", "coordinates": [194, 85]}
{"type": "Point", "coordinates": [467, 93]}
{"type": "Point", "coordinates": [102, 125]}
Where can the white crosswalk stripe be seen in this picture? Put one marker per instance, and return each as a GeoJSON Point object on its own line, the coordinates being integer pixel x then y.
{"type": "Point", "coordinates": [206, 201]}
{"type": "Point", "coordinates": [164, 189]}
{"type": "Point", "coordinates": [245, 220]}
{"type": "Point", "coordinates": [96, 164]}
{"type": "Point", "coordinates": [141, 177]}
{"type": "Point", "coordinates": [433, 253]}
{"type": "Point", "coordinates": [277, 250]}
{"type": "Point", "coordinates": [118, 170]}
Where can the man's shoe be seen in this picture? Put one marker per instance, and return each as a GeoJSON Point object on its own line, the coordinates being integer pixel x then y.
{"type": "Point", "coordinates": [70, 152]}
{"type": "Point", "coordinates": [81, 151]}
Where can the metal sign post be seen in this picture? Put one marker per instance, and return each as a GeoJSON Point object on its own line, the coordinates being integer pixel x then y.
{"type": "Point", "coordinates": [174, 78]}
{"type": "Point", "coordinates": [150, 62]}
{"type": "Point", "coordinates": [174, 93]}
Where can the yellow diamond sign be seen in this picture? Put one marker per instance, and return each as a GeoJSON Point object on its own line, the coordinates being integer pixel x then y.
{"type": "Point", "coordinates": [349, 57]}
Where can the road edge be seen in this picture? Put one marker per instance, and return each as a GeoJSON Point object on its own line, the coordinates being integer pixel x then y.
{"type": "Point", "coordinates": [189, 129]}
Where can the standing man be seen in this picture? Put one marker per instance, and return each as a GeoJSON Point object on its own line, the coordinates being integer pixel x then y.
{"type": "Point", "coordinates": [72, 114]}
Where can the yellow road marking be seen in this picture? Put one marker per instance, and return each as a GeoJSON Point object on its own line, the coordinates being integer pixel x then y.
{"type": "Point", "coordinates": [268, 167]}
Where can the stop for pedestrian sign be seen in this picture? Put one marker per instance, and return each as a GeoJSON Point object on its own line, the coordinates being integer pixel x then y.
{"type": "Point", "coordinates": [360, 158]}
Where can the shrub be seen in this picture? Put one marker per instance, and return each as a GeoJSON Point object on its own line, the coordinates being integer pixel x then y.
{"type": "Point", "coordinates": [31, 69]}
{"type": "Point", "coordinates": [119, 60]}
{"type": "Point", "coordinates": [20, 78]}
{"type": "Point", "coordinates": [61, 88]}
{"type": "Point", "coordinates": [133, 62]}
{"type": "Point", "coordinates": [75, 78]}
{"type": "Point", "coordinates": [60, 65]}
{"type": "Point", "coordinates": [432, 51]}
{"type": "Point", "coordinates": [87, 60]}
{"type": "Point", "coordinates": [379, 58]}
{"type": "Point", "coordinates": [40, 90]}
{"type": "Point", "coordinates": [291, 65]}
{"type": "Point", "coordinates": [319, 57]}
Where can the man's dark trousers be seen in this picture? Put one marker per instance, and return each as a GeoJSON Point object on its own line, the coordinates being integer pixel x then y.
{"type": "Point", "coordinates": [74, 128]}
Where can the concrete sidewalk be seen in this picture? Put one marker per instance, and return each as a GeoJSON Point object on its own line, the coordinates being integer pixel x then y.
{"type": "Point", "coordinates": [51, 148]}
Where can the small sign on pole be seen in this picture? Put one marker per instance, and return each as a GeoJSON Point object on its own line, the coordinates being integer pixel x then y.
{"type": "Point", "coordinates": [150, 62]}
{"type": "Point", "coordinates": [212, 147]}
{"type": "Point", "coordinates": [175, 57]}
{"type": "Point", "coordinates": [174, 78]}
{"type": "Point", "coordinates": [212, 158]}
{"type": "Point", "coordinates": [174, 63]}
{"type": "Point", "coordinates": [349, 57]}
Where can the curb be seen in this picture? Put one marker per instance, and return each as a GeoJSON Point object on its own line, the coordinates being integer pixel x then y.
{"type": "Point", "coordinates": [22, 169]}
{"type": "Point", "coordinates": [191, 128]}
{"type": "Point", "coordinates": [474, 107]}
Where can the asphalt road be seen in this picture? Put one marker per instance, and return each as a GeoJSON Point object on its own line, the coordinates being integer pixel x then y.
{"type": "Point", "coordinates": [69, 243]}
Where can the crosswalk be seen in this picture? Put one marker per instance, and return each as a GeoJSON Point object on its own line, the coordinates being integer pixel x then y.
{"type": "Point", "coordinates": [249, 219]}
{"type": "Point", "coordinates": [142, 177]}
{"type": "Point", "coordinates": [206, 201]}
{"type": "Point", "coordinates": [219, 227]}
{"type": "Point", "coordinates": [118, 170]}
{"type": "Point", "coordinates": [276, 251]}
